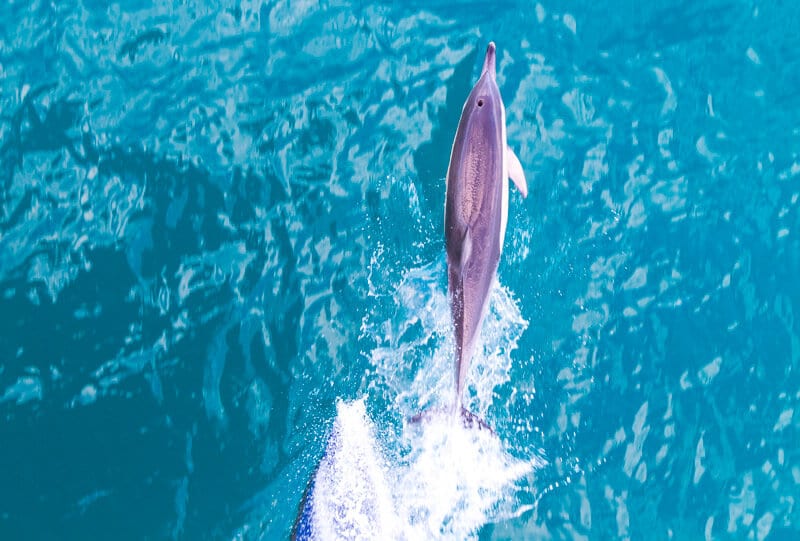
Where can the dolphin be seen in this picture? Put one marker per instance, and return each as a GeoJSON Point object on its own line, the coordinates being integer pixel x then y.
{"type": "Point", "coordinates": [476, 212]}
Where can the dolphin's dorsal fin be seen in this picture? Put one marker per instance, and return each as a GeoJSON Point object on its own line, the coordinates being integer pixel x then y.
{"type": "Point", "coordinates": [515, 172]}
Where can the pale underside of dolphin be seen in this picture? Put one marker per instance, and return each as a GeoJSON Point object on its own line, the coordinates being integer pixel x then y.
{"type": "Point", "coordinates": [476, 211]}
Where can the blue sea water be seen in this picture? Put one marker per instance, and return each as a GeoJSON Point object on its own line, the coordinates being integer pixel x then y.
{"type": "Point", "coordinates": [221, 242]}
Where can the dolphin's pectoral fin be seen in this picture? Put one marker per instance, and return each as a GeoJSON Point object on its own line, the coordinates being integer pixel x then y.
{"type": "Point", "coordinates": [466, 249]}
{"type": "Point", "coordinates": [516, 173]}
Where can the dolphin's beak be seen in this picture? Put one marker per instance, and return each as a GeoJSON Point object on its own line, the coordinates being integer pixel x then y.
{"type": "Point", "coordinates": [489, 61]}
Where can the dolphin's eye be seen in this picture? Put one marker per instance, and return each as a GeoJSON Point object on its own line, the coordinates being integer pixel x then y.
{"type": "Point", "coordinates": [480, 103]}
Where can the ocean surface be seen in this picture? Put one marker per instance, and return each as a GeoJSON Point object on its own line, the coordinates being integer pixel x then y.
{"type": "Point", "coordinates": [222, 259]}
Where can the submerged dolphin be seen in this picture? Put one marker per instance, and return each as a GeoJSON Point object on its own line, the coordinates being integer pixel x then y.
{"type": "Point", "coordinates": [476, 211]}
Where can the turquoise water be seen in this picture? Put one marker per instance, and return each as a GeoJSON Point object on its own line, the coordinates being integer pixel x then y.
{"type": "Point", "coordinates": [221, 226]}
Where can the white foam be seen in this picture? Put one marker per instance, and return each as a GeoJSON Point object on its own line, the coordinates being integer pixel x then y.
{"type": "Point", "coordinates": [351, 496]}
{"type": "Point", "coordinates": [451, 481]}
{"type": "Point", "coordinates": [455, 480]}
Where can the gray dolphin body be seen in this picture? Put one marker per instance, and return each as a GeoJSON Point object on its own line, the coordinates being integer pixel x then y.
{"type": "Point", "coordinates": [476, 211]}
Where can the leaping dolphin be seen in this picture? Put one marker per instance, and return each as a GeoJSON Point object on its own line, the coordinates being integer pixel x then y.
{"type": "Point", "coordinates": [476, 212]}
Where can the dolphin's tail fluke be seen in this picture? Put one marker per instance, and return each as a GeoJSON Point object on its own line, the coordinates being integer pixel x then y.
{"type": "Point", "coordinates": [471, 420]}
{"type": "Point", "coordinates": [467, 418]}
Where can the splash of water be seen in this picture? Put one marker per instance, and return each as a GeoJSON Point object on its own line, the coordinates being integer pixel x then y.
{"type": "Point", "coordinates": [413, 349]}
{"type": "Point", "coordinates": [451, 481]}
{"type": "Point", "coordinates": [455, 480]}
{"type": "Point", "coordinates": [433, 479]}
{"type": "Point", "coordinates": [349, 496]}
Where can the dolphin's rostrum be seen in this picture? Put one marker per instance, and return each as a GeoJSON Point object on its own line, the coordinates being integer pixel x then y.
{"type": "Point", "coordinates": [476, 211]}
